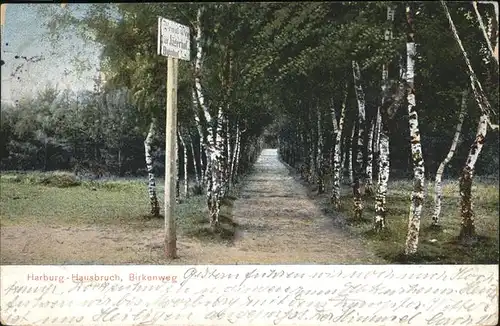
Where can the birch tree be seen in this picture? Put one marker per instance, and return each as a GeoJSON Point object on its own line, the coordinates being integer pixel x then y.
{"type": "Point", "coordinates": [350, 157]}
{"type": "Point", "coordinates": [382, 138]}
{"type": "Point", "coordinates": [319, 155]}
{"type": "Point", "coordinates": [336, 166]}
{"type": "Point", "coordinates": [357, 184]}
{"type": "Point", "coordinates": [185, 165]}
{"type": "Point", "coordinates": [468, 229]}
{"type": "Point", "coordinates": [369, 159]}
{"type": "Point", "coordinates": [197, 175]}
{"type": "Point", "coordinates": [417, 196]}
{"type": "Point", "coordinates": [153, 198]}
{"type": "Point", "coordinates": [438, 189]}
{"type": "Point", "coordinates": [177, 170]}
{"type": "Point", "coordinates": [493, 38]}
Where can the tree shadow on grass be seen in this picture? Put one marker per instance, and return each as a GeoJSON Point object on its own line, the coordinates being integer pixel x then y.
{"type": "Point", "coordinates": [224, 232]}
{"type": "Point", "coordinates": [450, 252]}
{"type": "Point", "coordinates": [358, 221]}
{"type": "Point", "coordinates": [384, 234]}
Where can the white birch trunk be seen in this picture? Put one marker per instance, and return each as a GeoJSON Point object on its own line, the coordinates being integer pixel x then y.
{"type": "Point", "coordinates": [382, 141]}
{"type": "Point", "coordinates": [376, 137]}
{"type": "Point", "coordinates": [223, 147]}
{"type": "Point", "coordinates": [312, 156]}
{"type": "Point", "coordinates": [230, 151]}
{"type": "Point", "coordinates": [153, 198]}
{"type": "Point", "coordinates": [360, 97]}
{"type": "Point", "coordinates": [343, 153]}
{"type": "Point", "coordinates": [201, 134]}
{"type": "Point", "coordinates": [417, 196]}
{"type": "Point", "coordinates": [235, 154]}
{"type": "Point", "coordinates": [384, 168]}
{"type": "Point", "coordinates": [195, 163]}
{"type": "Point", "coordinates": [336, 173]}
{"type": "Point", "coordinates": [319, 155]}
{"type": "Point", "coordinates": [438, 190]}
{"type": "Point", "coordinates": [350, 157]}
{"type": "Point", "coordinates": [468, 230]}
{"type": "Point", "coordinates": [485, 33]}
{"type": "Point", "coordinates": [227, 156]}
{"type": "Point", "coordinates": [185, 165]}
{"type": "Point", "coordinates": [212, 152]}
{"type": "Point", "coordinates": [468, 224]}
{"type": "Point", "coordinates": [177, 168]}
{"type": "Point", "coordinates": [369, 160]}
{"type": "Point", "coordinates": [217, 171]}
{"type": "Point", "coordinates": [200, 99]}
{"type": "Point", "coordinates": [476, 86]}
{"type": "Point", "coordinates": [494, 31]}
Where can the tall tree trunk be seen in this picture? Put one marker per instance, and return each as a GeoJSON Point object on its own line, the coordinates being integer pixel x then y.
{"type": "Point", "coordinates": [343, 154]}
{"type": "Point", "coordinates": [201, 134]}
{"type": "Point", "coordinates": [227, 155]}
{"type": "Point", "coordinates": [230, 150]}
{"type": "Point", "coordinates": [217, 159]}
{"type": "Point", "coordinates": [335, 130]}
{"type": "Point", "coordinates": [319, 154]}
{"type": "Point", "coordinates": [336, 173]}
{"type": "Point", "coordinates": [185, 165]}
{"type": "Point", "coordinates": [350, 156]}
{"type": "Point", "coordinates": [384, 168]}
{"type": "Point", "coordinates": [210, 141]}
{"type": "Point", "coordinates": [312, 153]}
{"type": "Point", "coordinates": [468, 230]}
{"type": "Point", "coordinates": [177, 168]}
{"type": "Point", "coordinates": [438, 190]}
{"type": "Point", "coordinates": [153, 198]}
{"type": "Point", "coordinates": [376, 138]}
{"type": "Point", "coordinates": [417, 196]}
{"type": "Point", "coordinates": [360, 96]}
{"type": "Point", "coordinates": [307, 149]}
{"type": "Point", "coordinates": [494, 31]}
{"type": "Point", "coordinates": [195, 163]}
{"type": "Point", "coordinates": [203, 166]}
{"type": "Point", "coordinates": [206, 134]}
{"type": "Point", "coordinates": [382, 138]}
{"type": "Point", "coordinates": [369, 160]}
{"type": "Point", "coordinates": [235, 154]}
{"type": "Point", "coordinates": [491, 47]}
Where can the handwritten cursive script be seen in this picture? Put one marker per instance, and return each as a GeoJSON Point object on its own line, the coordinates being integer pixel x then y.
{"type": "Point", "coordinates": [260, 295]}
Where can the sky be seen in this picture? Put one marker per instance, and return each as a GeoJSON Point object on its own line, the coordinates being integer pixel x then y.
{"type": "Point", "coordinates": [24, 35]}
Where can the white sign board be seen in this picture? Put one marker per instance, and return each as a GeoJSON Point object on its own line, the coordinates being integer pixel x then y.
{"type": "Point", "coordinates": [173, 39]}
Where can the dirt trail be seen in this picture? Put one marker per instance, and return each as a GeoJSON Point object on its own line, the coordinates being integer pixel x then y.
{"type": "Point", "coordinates": [278, 224]}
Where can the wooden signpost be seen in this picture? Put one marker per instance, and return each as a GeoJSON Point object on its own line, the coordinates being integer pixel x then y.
{"type": "Point", "coordinates": [174, 43]}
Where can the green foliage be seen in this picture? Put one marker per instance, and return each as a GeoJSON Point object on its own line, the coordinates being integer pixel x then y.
{"type": "Point", "coordinates": [265, 60]}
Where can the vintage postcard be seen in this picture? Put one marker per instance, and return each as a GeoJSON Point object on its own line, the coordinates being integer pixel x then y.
{"type": "Point", "coordinates": [249, 163]}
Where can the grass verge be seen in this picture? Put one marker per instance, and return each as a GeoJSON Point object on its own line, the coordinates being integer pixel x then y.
{"type": "Point", "coordinates": [61, 199]}
{"type": "Point", "coordinates": [436, 245]}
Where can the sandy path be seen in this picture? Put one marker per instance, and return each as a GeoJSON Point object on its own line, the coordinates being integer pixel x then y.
{"type": "Point", "coordinates": [278, 223]}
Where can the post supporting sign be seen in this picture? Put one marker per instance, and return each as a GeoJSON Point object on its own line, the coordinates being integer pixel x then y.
{"type": "Point", "coordinates": [174, 43]}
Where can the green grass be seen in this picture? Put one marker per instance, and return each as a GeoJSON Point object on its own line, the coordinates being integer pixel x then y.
{"type": "Point", "coordinates": [59, 198]}
{"type": "Point", "coordinates": [435, 245]}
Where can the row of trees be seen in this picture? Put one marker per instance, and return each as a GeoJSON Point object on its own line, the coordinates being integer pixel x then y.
{"type": "Point", "coordinates": [219, 131]}
{"type": "Point", "coordinates": [380, 74]}
{"type": "Point", "coordinates": [332, 77]}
